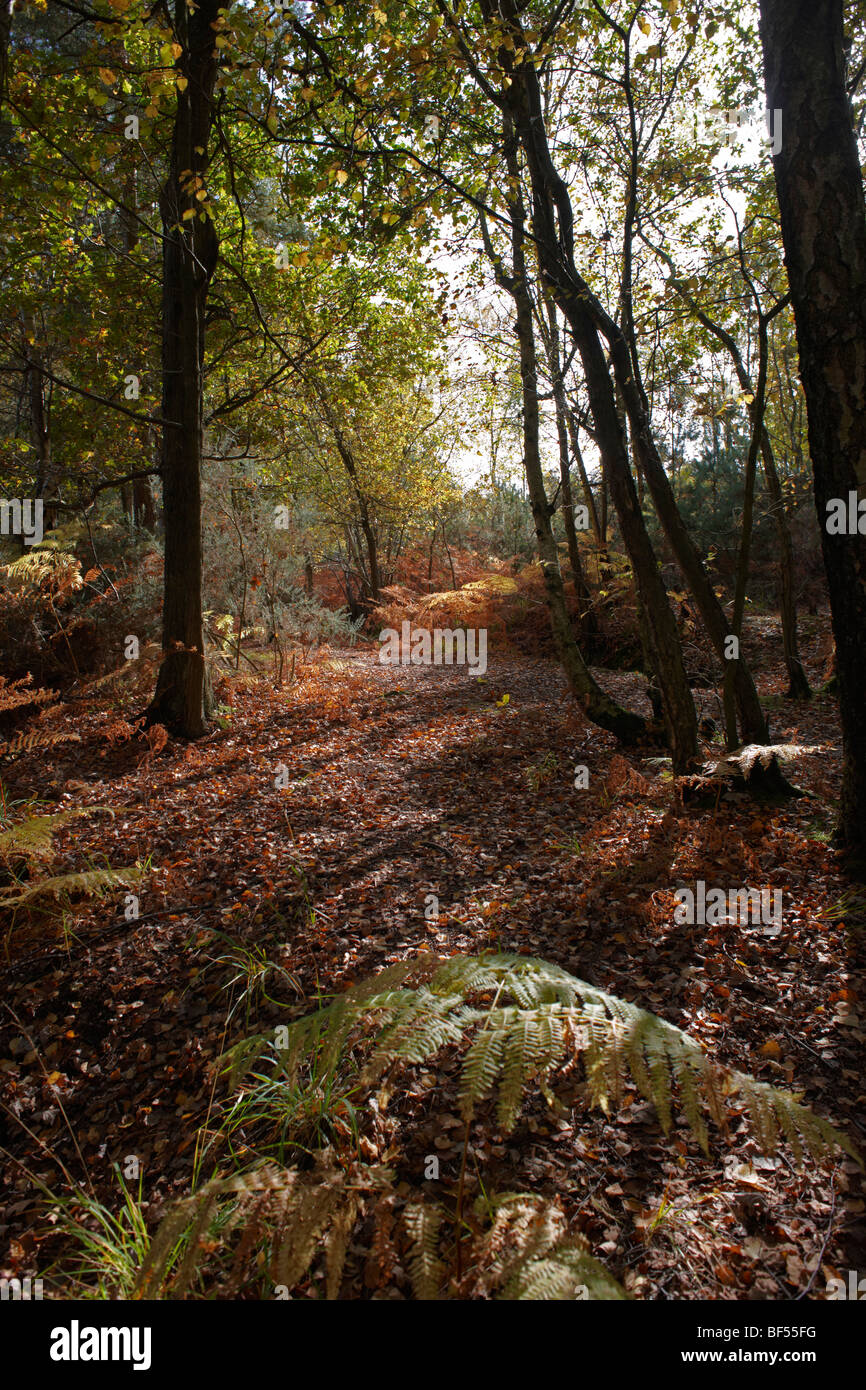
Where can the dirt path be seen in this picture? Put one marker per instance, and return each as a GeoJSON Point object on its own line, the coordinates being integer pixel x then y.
{"type": "Point", "coordinates": [397, 787]}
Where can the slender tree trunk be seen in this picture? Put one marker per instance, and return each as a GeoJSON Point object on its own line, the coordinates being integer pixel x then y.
{"type": "Point", "coordinates": [823, 216]}
{"type": "Point", "coordinates": [798, 681]}
{"type": "Point", "coordinates": [37, 389]}
{"type": "Point", "coordinates": [798, 684]}
{"type": "Point", "coordinates": [742, 572]}
{"type": "Point", "coordinates": [144, 507]}
{"type": "Point", "coordinates": [372, 557]}
{"type": "Point", "coordinates": [598, 706]}
{"type": "Point", "coordinates": [588, 624]}
{"type": "Point", "coordinates": [142, 511]}
{"type": "Point", "coordinates": [347, 458]}
{"type": "Point", "coordinates": [598, 526]}
{"type": "Point", "coordinates": [190, 252]}
{"type": "Point", "coordinates": [603, 519]}
{"type": "Point", "coordinates": [556, 261]}
{"type": "Point", "coordinates": [40, 435]}
{"type": "Point", "coordinates": [448, 553]}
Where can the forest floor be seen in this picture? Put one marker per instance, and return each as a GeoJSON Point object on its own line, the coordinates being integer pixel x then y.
{"type": "Point", "coordinates": [407, 782]}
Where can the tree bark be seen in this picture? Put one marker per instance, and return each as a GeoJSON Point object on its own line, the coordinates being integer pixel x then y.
{"type": "Point", "coordinates": [588, 623]}
{"type": "Point", "coordinates": [823, 217]}
{"type": "Point", "coordinates": [190, 253]}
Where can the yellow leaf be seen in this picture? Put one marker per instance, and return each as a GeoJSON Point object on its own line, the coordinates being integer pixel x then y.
{"type": "Point", "coordinates": [107, 76]}
{"type": "Point", "coordinates": [341, 176]}
{"type": "Point", "coordinates": [644, 26]}
{"type": "Point", "coordinates": [190, 212]}
{"type": "Point", "coordinates": [182, 83]}
{"type": "Point", "coordinates": [771, 1049]}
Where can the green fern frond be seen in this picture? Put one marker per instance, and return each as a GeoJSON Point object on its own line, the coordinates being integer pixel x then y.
{"type": "Point", "coordinates": [86, 883]}
{"type": "Point", "coordinates": [518, 1020]}
{"type": "Point", "coordinates": [423, 1222]}
{"type": "Point", "coordinates": [527, 1254]}
{"type": "Point", "coordinates": [31, 838]}
{"type": "Point", "coordinates": [568, 1272]}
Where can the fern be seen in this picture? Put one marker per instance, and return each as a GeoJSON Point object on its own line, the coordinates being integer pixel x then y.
{"type": "Point", "coordinates": [286, 1214]}
{"type": "Point", "coordinates": [86, 883]}
{"type": "Point", "coordinates": [18, 693]}
{"type": "Point", "coordinates": [517, 1021]}
{"type": "Point", "coordinates": [423, 1222]}
{"type": "Point", "coordinates": [47, 568]}
{"type": "Point", "coordinates": [554, 1022]}
{"type": "Point", "coordinates": [25, 743]}
{"type": "Point", "coordinates": [528, 1254]}
{"type": "Point", "coordinates": [524, 1253]}
{"type": "Point", "coordinates": [31, 839]}
{"type": "Point", "coordinates": [283, 1219]}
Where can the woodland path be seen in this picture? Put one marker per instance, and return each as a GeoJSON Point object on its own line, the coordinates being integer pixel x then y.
{"type": "Point", "coordinates": [406, 782]}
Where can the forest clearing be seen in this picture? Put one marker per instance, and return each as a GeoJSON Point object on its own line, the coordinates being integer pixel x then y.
{"type": "Point", "coordinates": [432, 659]}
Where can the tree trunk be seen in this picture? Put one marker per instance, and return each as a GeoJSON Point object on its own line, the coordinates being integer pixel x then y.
{"type": "Point", "coordinates": [798, 681]}
{"type": "Point", "coordinates": [347, 458]}
{"type": "Point", "coordinates": [823, 218]}
{"type": "Point", "coordinates": [741, 581]}
{"type": "Point", "coordinates": [144, 507]}
{"type": "Point", "coordinates": [598, 525]}
{"type": "Point", "coordinates": [598, 706]}
{"type": "Point", "coordinates": [556, 262]}
{"type": "Point", "coordinates": [798, 684]}
{"type": "Point", "coordinates": [190, 252]}
{"type": "Point", "coordinates": [588, 624]}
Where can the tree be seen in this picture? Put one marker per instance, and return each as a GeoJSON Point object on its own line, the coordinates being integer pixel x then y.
{"type": "Point", "coordinates": [552, 226]}
{"type": "Point", "coordinates": [599, 707]}
{"type": "Point", "coordinates": [190, 251]}
{"type": "Point", "coordinates": [823, 216]}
